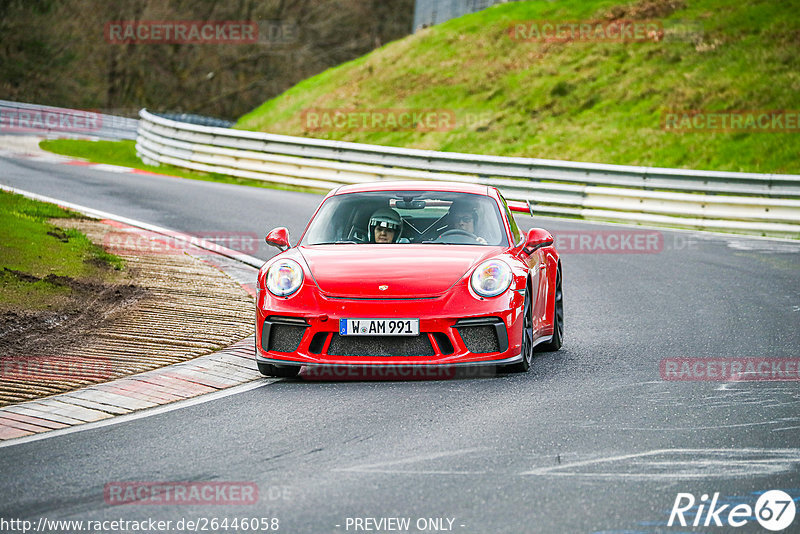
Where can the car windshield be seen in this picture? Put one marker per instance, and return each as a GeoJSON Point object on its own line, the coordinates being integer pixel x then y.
{"type": "Point", "coordinates": [420, 217]}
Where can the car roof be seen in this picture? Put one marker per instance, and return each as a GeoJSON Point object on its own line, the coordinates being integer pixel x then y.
{"type": "Point", "coordinates": [402, 185]}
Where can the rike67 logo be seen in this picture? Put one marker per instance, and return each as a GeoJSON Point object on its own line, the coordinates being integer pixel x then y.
{"type": "Point", "coordinates": [774, 510]}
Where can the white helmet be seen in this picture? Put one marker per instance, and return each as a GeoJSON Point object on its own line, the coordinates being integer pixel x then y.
{"type": "Point", "coordinates": [385, 218]}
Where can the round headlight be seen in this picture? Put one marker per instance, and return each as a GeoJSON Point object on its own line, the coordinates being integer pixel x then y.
{"type": "Point", "coordinates": [284, 277]}
{"type": "Point", "coordinates": [491, 278]}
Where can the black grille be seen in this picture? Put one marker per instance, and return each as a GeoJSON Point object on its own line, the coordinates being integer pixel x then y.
{"type": "Point", "coordinates": [285, 338]}
{"type": "Point", "coordinates": [480, 339]}
{"type": "Point", "coordinates": [282, 334]}
{"type": "Point", "coordinates": [380, 346]}
{"type": "Point", "coordinates": [483, 335]}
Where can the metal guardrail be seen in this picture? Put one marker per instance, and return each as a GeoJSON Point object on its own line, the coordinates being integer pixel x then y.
{"type": "Point", "coordinates": [202, 120]}
{"type": "Point", "coordinates": [761, 204]}
{"type": "Point", "coordinates": [18, 118]}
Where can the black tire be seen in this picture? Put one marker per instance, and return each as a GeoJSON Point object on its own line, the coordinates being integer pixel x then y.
{"type": "Point", "coordinates": [278, 371]}
{"type": "Point", "coordinates": [558, 318]}
{"type": "Point", "coordinates": [527, 339]}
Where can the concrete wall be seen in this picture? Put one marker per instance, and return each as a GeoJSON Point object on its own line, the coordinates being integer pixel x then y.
{"type": "Point", "coordinates": [430, 12]}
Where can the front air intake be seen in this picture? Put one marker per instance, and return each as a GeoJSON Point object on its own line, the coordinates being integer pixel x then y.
{"type": "Point", "coordinates": [282, 334]}
{"type": "Point", "coordinates": [380, 346]}
{"type": "Point", "coordinates": [483, 335]}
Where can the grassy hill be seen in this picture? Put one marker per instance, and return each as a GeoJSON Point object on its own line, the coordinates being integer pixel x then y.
{"type": "Point", "coordinates": [576, 100]}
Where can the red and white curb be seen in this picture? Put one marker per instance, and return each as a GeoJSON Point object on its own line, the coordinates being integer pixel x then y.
{"type": "Point", "coordinates": [27, 147]}
{"type": "Point", "coordinates": [178, 383]}
{"type": "Point", "coordinates": [229, 367]}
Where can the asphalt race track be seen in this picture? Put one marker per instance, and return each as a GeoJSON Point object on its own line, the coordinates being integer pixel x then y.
{"type": "Point", "coordinates": [592, 439]}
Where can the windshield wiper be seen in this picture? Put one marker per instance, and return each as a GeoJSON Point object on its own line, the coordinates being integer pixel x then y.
{"type": "Point", "coordinates": [337, 243]}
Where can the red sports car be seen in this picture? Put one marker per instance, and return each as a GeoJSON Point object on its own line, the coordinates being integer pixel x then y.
{"type": "Point", "coordinates": [409, 274]}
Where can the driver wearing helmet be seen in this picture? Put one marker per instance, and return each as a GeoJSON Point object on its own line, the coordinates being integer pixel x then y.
{"type": "Point", "coordinates": [464, 217]}
{"type": "Point", "coordinates": [385, 226]}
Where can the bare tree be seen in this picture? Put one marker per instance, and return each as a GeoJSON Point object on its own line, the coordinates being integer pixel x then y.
{"type": "Point", "coordinates": [55, 51]}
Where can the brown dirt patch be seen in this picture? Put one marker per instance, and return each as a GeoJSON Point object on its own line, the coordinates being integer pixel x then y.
{"type": "Point", "coordinates": [645, 9]}
{"type": "Point", "coordinates": [165, 309]}
{"type": "Point", "coordinates": [90, 305]}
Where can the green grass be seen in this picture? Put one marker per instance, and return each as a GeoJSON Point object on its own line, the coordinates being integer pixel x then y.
{"type": "Point", "coordinates": [123, 153]}
{"type": "Point", "coordinates": [579, 101]}
{"type": "Point", "coordinates": [36, 253]}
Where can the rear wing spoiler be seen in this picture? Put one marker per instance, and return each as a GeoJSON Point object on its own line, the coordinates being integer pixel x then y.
{"type": "Point", "coordinates": [520, 206]}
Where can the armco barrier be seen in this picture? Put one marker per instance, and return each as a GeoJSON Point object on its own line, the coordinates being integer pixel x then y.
{"type": "Point", "coordinates": [760, 204]}
{"type": "Point", "coordinates": [34, 119]}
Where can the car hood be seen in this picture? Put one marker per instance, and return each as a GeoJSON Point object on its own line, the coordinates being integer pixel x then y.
{"type": "Point", "coordinates": [406, 270]}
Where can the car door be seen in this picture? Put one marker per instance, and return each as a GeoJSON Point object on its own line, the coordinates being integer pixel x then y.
{"type": "Point", "coordinates": [537, 265]}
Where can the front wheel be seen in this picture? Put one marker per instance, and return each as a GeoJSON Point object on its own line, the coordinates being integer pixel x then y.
{"type": "Point", "coordinates": [278, 371]}
{"type": "Point", "coordinates": [558, 318]}
{"type": "Point", "coordinates": [527, 339]}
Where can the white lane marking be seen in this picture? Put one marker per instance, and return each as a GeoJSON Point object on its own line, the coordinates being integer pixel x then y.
{"type": "Point", "coordinates": [681, 463]}
{"type": "Point", "coordinates": [679, 428]}
{"type": "Point", "coordinates": [91, 212]}
{"type": "Point", "coordinates": [110, 168]}
{"type": "Point", "coordinates": [757, 246]}
{"type": "Point", "coordinates": [177, 405]}
{"type": "Point", "coordinates": [667, 465]}
{"type": "Point", "coordinates": [381, 467]}
{"type": "Point", "coordinates": [595, 461]}
{"type": "Point", "coordinates": [786, 428]}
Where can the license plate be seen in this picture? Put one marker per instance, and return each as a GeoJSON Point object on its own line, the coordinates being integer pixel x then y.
{"type": "Point", "coordinates": [378, 327]}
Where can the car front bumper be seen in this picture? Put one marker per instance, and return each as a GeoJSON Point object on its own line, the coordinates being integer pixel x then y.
{"type": "Point", "coordinates": [455, 330]}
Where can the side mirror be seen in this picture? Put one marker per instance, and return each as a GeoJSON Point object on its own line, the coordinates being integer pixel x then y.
{"type": "Point", "coordinates": [279, 237]}
{"type": "Point", "coordinates": [536, 239]}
